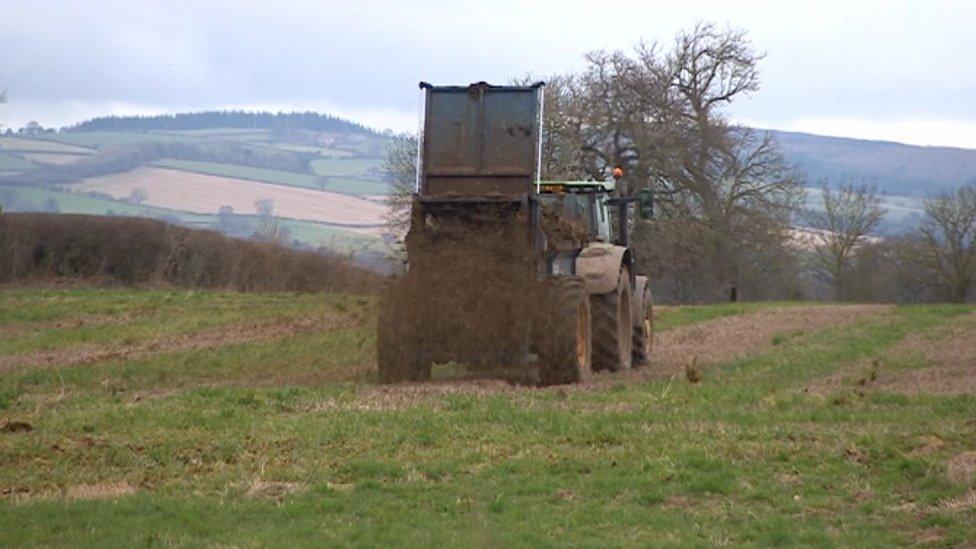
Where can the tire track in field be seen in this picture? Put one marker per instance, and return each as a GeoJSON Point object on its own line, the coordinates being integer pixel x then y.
{"type": "Point", "coordinates": [274, 328]}
{"type": "Point", "coordinates": [711, 342]}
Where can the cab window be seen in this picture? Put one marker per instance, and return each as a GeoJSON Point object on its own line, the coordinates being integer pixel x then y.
{"type": "Point", "coordinates": [602, 218]}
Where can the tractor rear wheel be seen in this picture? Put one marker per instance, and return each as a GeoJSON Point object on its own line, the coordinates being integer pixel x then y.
{"type": "Point", "coordinates": [396, 350]}
{"type": "Point", "coordinates": [565, 341]}
{"type": "Point", "coordinates": [613, 326]}
{"type": "Point", "coordinates": [643, 324]}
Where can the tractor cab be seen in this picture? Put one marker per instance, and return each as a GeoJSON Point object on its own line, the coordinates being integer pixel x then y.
{"type": "Point", "coordinates": [585, 203]}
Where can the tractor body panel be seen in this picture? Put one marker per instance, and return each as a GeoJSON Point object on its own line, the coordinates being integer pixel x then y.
{"type": "Point", "coordinates": [598, 264]}
{"type": "Point", "coordinates": [480, 140]}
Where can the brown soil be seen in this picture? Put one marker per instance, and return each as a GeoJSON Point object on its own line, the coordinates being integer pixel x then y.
{"type": "Point", "coordinates": [210, 339]}
{"type": "Point", "coordinates": [965, 502]}
{"type": "Point", "coordinates": [953, 360]}
{"type": "Point", "coordinates": [274, 490]}
{"type": "Point", "coordinates": [74, 322]}
{"type": "Point", "coordinates": [16, 427]}
{"type": "Point", "coordinates": [711, 343]}
{"type": "Point", "coordinates": [99, 491]}
{"type": "Point", "coordinates": [734, 337]}
{"type": "Point", "coordinates": [961, 468]}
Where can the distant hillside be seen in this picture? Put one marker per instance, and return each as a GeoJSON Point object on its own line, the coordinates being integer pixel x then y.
{"type": "Point", "coordinates": [899, 169]}
{"type": "Point", "coordinates": [310, 121]}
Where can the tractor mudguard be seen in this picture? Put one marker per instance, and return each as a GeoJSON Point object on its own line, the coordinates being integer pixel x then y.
{"type": "Point", "coordinates": [640, 282]}
{"type": "Point", "coordinates": [599, 266]}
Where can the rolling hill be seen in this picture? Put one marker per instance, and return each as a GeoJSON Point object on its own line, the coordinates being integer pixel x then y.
{"type": "Point", "coordinates": [320, 170]}
{"type": "Point", "coordinates": [320, 174]}
{"type": "Point", "coordinates": [897, 168]}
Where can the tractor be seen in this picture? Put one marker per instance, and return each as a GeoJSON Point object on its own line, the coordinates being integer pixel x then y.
{"type": "Point", "coordinates": [504, 270]}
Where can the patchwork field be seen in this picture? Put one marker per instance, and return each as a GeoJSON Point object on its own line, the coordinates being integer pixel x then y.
{"type": "Point", "coordinates": [53, 158]}
{"type": "Point", "coordinates": [198, 193]}
{"type": "Point", "coordinates": [9, 162]}
{"type": "Point", "coordinates": [197, 418]}
{"type": "Point", "coordinates": [314, 234]}
{"type": "Point", "coordinates": [278, 177]}
{"type": "Point", "coordinates": [40, 145]}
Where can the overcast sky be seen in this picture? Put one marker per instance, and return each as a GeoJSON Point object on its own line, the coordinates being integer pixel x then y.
{"type": "Point", "coordinates": [902, 71]}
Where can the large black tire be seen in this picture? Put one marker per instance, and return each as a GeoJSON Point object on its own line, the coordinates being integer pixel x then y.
{"type": "Point", "coordinates": [396, 350]}
{"type": "Point", "coordinates": [643, 324]}
{"type": "Point", "coordinates": [565, 340]}
{"type": "Point", "coordinates": [613, 327]}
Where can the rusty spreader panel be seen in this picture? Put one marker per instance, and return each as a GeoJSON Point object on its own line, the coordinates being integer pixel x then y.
{"type": "Point", "coordinates": [480, 140]}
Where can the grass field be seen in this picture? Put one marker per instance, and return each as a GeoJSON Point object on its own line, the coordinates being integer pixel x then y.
{"type": "Point", "coordinates": [39, 145]}
{"type": "Point", "coordinates": [102, 139]}
{"type": "Point", "coordinates": [9, 162]}
{"type": "Point", "coordinates": [222, 134]}
{"type": "Point", "coordinates": [338, 182]}
{"type": "Point", "coordinates": [53, 158]}
{"type": "Point", "coordinates": [69, 202]}
{"type": "Point", "coordinates": [194, 418]}
{"type": "Point", "coordinates": [346, 167]}
{"type": "Point", "coordinates": [325, 152]}
{"type": "Point", "coordinates": [278, 177]}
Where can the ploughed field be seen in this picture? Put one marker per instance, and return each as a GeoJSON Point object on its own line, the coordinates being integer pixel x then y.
{"type": "Point", "coordinates": [206, 194]}
{"type": "Point", "coordinates": [148, 416]}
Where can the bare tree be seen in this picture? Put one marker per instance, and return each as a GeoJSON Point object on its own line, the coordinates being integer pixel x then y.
{"type": "Point", "coordinates": [949, 235]}
{"type": "Point", "coordinates": [271, 230]}
{"type": "Point", "coordinates": [400, 169]}
{"type": "Point", "coordinates": [848, 215]}
{"type": "Point", "coordinates": [3, 100]}
{"type": "Point", "coordinates": [660, 114]}
{"type": "Point", "coordinates": [138, 196]}
{"type": "Point", "coordinates": [264, 207]}
{"type": "Point", "coordinates": [225, 219]}
{"type": "Point", "coordinates": [732, 177]}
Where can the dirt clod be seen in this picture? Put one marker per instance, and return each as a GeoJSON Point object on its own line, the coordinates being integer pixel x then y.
{"type": "Point", "coordinates": [565, 495]}
{"type": "Point", "coordinates": [961, 468]}
{"type": "Point", "coordinates": [274, 490]}
{"type": "Point", "coordinates": [691, 370]}
{"type": "Point", "coordinates": [99, 490]}
{"type": "Point", "coordinates": [16, 427]}
{"type": "Point", "coordinates": [678, 502]}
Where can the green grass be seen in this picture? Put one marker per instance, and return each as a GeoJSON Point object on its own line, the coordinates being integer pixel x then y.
{"type": "Point", "coordinates": [345, 185]}
{"type": "Point", "coordinates": [358, 187]}
{"type": "Point", "coordinates": [359, 176]}
{"type": "Point", "coordinates": [284, 441]}
{"type": "Point", "coordinates": [277, 177]}
{"type": "Point", "coordinates": [324, 152]}
{"type": "Point", "coordinates": [676, 317]}
{"type": "Point", "coordinates": [222, 134]}
{"type": "Point", "coordinates": [9, 162]}
{"type": "Point", "coordinates": [346, 167]}
{"type": "Point", "coordinates": [69, 202]}
{"type": "Point", "coordinates": [103, 139]}
{"type": "Point", "coordinates": [39, 145]}
{"type": "Point", "coordinates": [333, 238]}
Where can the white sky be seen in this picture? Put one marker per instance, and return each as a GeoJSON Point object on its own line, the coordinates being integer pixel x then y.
{"type": "Point", "coordinates": [897, 70]}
